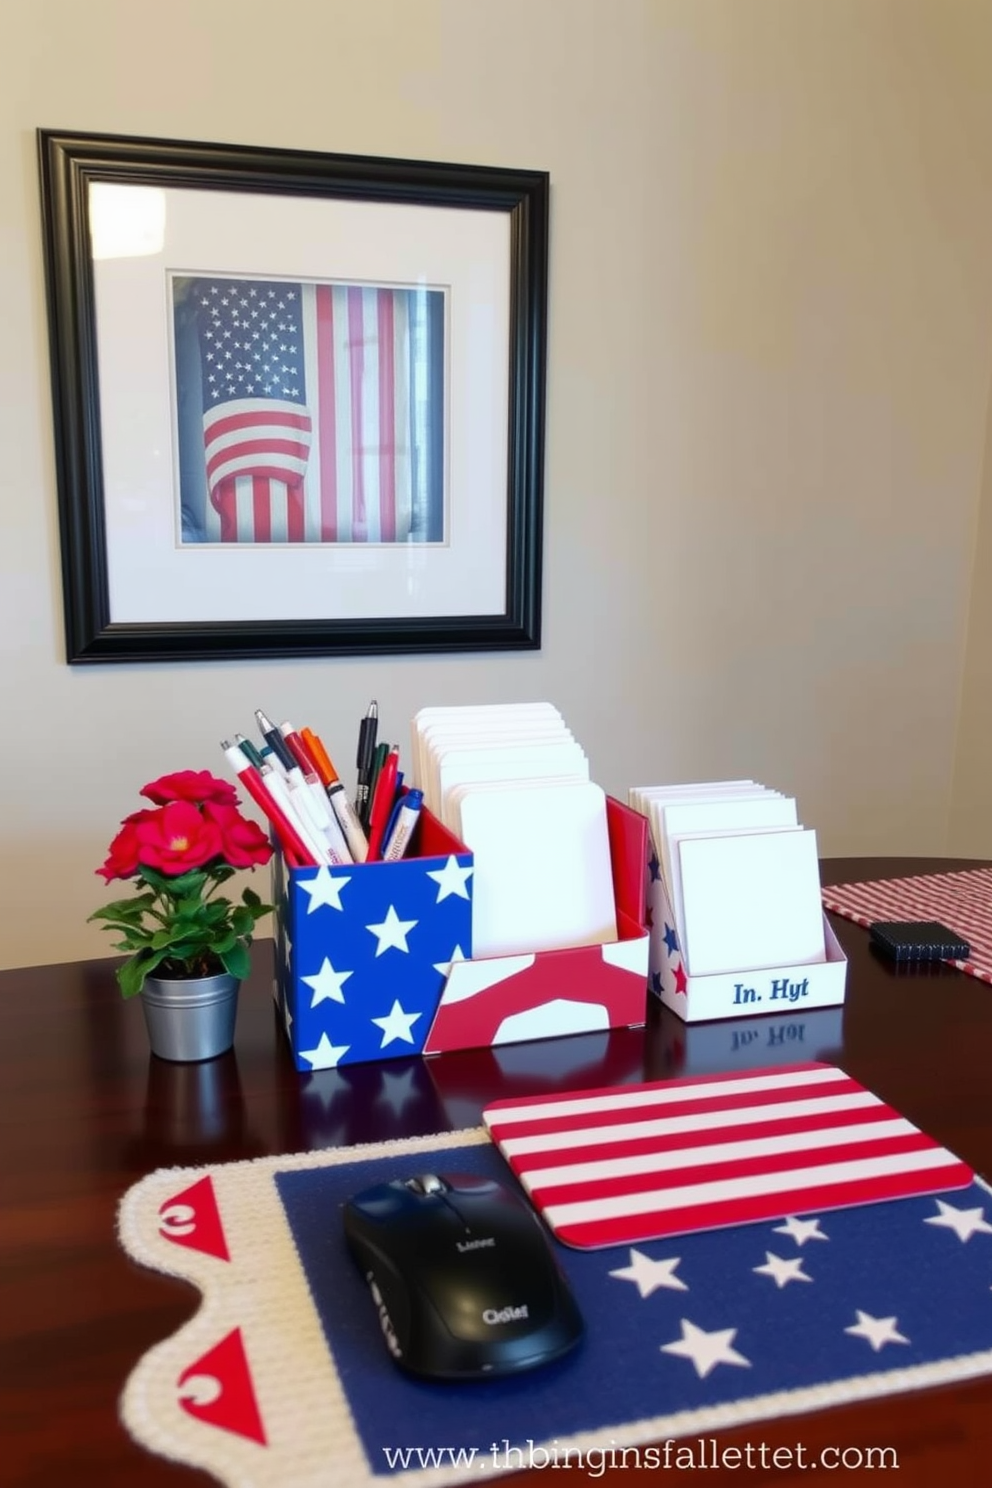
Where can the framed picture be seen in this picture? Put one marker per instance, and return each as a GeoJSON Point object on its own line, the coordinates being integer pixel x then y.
{"type": "Point", "coordinates": [298, 400]}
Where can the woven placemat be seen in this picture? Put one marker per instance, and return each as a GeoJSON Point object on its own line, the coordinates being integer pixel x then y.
{"type": "Point", "coordinates": [282, 1376]}
{"type": "Point", "coordinates": [961, 900]}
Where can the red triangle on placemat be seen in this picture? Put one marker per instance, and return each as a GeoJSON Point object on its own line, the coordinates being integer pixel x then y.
{"type": "Point", "coordinates": [640, 1162]}
{"type": "Point", "coordinates": [191, 1218]}
{"type": "Point", "coordinates": [219, 1389]}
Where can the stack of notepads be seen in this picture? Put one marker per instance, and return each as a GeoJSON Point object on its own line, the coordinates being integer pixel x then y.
{"type": "Point", "coordinates": [740, 872]}
{"type": "Point", "coordinates": [510, 780]}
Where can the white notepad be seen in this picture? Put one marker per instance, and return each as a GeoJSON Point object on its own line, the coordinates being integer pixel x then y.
{"type": "Point", "coordinates": [750, 900]}
{"type": "Point", "coordinates": [543, 878]}
{"type": "Point", "coordinates": [730, 814]}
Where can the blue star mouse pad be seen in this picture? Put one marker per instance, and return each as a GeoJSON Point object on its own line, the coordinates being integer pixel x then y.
{"type": "Point", "coordinates": [285, 1367]}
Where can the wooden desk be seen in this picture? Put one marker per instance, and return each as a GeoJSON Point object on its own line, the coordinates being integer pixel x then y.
{"type": "Point", "coordinates": [85, 1112]}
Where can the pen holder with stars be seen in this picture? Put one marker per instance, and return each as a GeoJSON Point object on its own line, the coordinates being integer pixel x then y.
{"type": "Point", "coordinates": [362, 952]}
{"type": "Point", "coordinates": [374, 960]}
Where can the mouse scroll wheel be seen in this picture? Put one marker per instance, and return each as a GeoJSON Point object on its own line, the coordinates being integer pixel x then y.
{"type": "Point", "coordinates": [428, 1183]}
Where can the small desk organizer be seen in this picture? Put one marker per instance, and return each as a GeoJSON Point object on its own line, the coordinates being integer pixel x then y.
{"type": "Point", "coordinates": [374, 960]}
{"type": "Point", "coordinates": [698, 999]}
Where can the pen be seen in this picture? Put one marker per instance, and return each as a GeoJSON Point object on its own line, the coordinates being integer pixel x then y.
{"type": "Point", "coordinates": [382, 803]}
{"type": "Point", "coordinates": [302, 795]}
{"type": "Point", "coordinates": [249, 751]}
{"type": "Point", "coordinates": [378, 760]}
{"type": "Point", "coordinates": [297, 747]}
{"type": "Point", "coordinates": [252, 781]}
{"type": "Point", "coordinates": [274, 739]}
{"type": "Point", "coordinates": [344, 811]}
{"type": "Point", "coordinates": [290, 795]}
{"type": "Point", "coordinates": [367, 732]}
{"type": "Point", "coordinates": [321, 759]}
{"type": "Point", "coordinates": [401, 829]}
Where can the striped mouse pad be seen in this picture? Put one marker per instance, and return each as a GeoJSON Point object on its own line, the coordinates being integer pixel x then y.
{"type": "Point", "coordinates": [640, 1162]}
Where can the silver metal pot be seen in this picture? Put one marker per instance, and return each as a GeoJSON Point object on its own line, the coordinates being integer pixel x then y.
{"type": "Point", "coordinates": [190, 1018]}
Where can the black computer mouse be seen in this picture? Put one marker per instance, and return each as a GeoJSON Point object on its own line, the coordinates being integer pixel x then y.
{"type": "Point", "coordinates": [463, 1275]}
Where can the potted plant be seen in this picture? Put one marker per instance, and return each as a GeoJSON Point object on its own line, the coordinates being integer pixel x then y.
{"type": "Point", "coordinates": [188, 946]}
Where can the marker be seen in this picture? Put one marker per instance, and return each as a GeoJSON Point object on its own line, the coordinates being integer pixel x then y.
{"type": "Point", "coordinates": [401, 829]}
{"type": "Point", "coordinates": [382, 803]}
{"type": "Point", "coordinates": [321, 758]}
{"type": "Point", "coordinates": [347, 819]}
{"type": "Point", "coordinates": [290, 839]}
{"type": "Point", "coordinates": [274, 739]}
{"type": "Point", "coordinates": [367, 732]}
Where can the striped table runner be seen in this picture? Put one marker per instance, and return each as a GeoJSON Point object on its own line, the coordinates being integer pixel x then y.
{"type": "Point", "coordinates": [962, 901]}
{"type": "Point", "coordinates": [639, 1162]}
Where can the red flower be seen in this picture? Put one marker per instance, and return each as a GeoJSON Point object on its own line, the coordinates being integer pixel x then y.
{"type": "Point", "coordinates": [122, 858]}
{"type": "Point", "coordinates": [176, 838]}
{"type": "Point", "coordinates": [244, 842]}
{"type": "Point", "coordinates": [190, 785]}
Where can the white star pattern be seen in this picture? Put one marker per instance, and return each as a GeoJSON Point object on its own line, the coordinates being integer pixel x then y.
{"type": "Point", "coordinates": [964, 1222]}
{"type": "Point", "coordinates": [801, 1230]}
{"type": "Point", "coordinates": [391, 932]}
{"type": "Point", "coordinates": [451, 879]}
{"type": "Point", "coordinates": [397, 1025]}
{"type": "Point", "coordinates": [326, 1055]}
{"type": "Point", "coordinates": [877, 1331]}
{"type": "Point", "coordinates": [706, 1350]}
{"type": "Point", "coordinates": [782, 1271]}
{"type": "Point", "coordinates": [648, 1275]}
{"type": "Point", "coordinates": [444, 967]}
{"type": "Point", "coordinates": [327, 984]}
{"type": "Point", "coordinates": [324, 890]}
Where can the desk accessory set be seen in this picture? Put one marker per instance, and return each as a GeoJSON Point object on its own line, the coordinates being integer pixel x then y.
{"type": "Point", "coordinates": [307, 1339]}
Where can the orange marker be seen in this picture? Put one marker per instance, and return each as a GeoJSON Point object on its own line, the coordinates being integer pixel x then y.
{"type": "Point", "coordinates": [321, 758]}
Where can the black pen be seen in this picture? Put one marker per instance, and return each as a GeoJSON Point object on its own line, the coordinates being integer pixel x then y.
{"type": "Point", "coordinates": [275, 740]}
{"type": "Point", "coordinates": [367, 732]}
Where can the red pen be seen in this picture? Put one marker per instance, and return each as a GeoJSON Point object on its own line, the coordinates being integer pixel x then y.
{"type": "Point", "coordinates": [382, 804]}
{"type": "Point", "coordinates": [255, 786]}
{"type": "Point", "coordinates": [297, 747]}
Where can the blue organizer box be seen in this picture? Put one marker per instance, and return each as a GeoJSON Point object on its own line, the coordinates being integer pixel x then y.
{"type": "Point", "coordinates": [363, 951]}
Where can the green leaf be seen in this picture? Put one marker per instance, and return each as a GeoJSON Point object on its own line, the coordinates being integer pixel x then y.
{"type": "Point", "coordinates": [177, 885]}
{"type": "Point", "coordinates": [237, 961]}
{"type": "Point", "coordinates": [125, 909]}
{"type": "Point", "coordinates": [131, 976]}
{"type": "Point", "coordinates": [132, 943]}
{"type": "Point", "coordinates": [217, 911]}
{"type": "Point", "coordinates": [185, 950]}
{"type": "Point", "coordinates": [243, 920]}
{"type": "Point", "coordinates": [142, 933]}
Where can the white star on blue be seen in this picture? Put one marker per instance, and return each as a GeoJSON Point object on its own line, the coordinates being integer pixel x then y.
{"type": "Point", "coordinates": [353, 936]}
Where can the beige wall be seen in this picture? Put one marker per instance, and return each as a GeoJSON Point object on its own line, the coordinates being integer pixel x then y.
{"type": "Point", "coordinates": [769, 369]}
{"type": "Point", "coordinates": [970, 831]}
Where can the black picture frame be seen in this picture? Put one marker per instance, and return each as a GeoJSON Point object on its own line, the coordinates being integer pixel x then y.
{"type": "Point", "coordinates": [70, 163]}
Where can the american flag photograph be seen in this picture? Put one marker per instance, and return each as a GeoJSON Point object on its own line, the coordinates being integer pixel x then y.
{"type": "Point", "coordinates": [308, 412]}
{"type": "Point", "coordinates": [622, 1165]}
